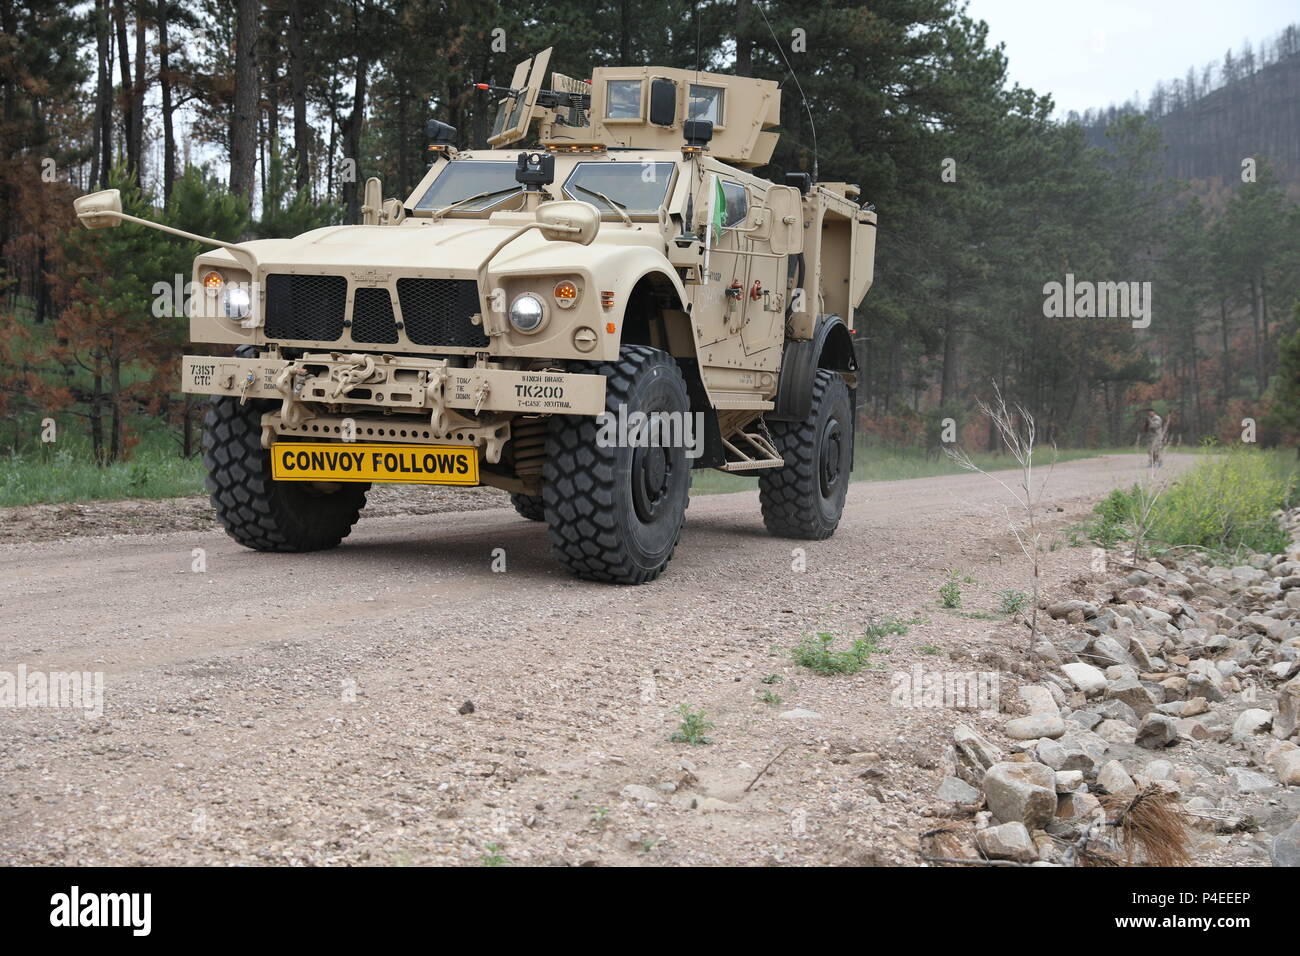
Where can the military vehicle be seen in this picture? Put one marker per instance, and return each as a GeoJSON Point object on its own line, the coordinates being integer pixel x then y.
{"type": "Point", "coordinates": [581, 324]}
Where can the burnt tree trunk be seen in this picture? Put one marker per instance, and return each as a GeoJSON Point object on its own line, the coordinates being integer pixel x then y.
{"type": "Point", "coordinates": [124, 72]}
{"type": "Point", "coordinates": [298, 93]}
{"type": "Point", "coordinates": [168, 107]}
{"type": "Point", "coordinates": [243, 129]}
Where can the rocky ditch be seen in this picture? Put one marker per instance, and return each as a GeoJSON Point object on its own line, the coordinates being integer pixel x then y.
{"type": "Point", "coordinates": [1163, 726]}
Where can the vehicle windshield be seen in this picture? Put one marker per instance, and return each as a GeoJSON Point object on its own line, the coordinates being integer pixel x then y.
{"type": "Point", "coordinates": [633, 188]}
{"type": "Point", "coordinates": [490, 181]}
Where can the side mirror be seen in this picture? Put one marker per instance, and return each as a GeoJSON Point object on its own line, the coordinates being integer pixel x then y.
{"type": "Point", "coordinates": [92, 207]}
{"type": "Point", "coordinates": [785, 215]}
{"type": "Point", "coordinates": [569, 220]}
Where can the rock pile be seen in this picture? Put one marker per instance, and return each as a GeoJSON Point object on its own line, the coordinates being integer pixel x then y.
{"type": "Point", "coordinates": [1180, 676]}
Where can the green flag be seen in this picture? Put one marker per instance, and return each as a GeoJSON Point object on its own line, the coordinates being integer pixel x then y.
{"type": "Point", "coordinates": [719, 209]}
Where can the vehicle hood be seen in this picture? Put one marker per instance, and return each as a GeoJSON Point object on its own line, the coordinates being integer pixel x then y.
{"type": "Point", "coordinates": [446, 246]}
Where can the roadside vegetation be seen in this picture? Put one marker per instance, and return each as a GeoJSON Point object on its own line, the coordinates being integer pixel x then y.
{"type": "Point", "coordinates": [1225, 506]}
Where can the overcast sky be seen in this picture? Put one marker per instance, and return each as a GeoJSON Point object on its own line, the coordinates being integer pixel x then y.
{"type": "Point", "coordinates": [1091, 53]}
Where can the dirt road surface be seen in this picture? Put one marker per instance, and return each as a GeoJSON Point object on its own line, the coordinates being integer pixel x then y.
{"type": "Point", "coordinates": [312, 709]}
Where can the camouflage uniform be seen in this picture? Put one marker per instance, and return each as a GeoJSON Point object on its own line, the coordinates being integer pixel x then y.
{"type": "Point", "coordinates": [1156, 440]}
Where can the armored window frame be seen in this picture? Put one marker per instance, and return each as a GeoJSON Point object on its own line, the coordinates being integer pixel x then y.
{"type": "Point", "coordinates": [718, 104]}
{"type": "Point", "coordinates": [452, 169]}
{"type": "Point", "coordinates": [732, 191]}
{"type": "Point", "coordinates": [610, 117]}
{"type": "Point", "coordinates": [634, 170]}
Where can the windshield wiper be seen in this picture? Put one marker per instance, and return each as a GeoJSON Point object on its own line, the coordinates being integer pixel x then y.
{"type": "Point", "coordinates": [468, 199]}
{"type": "Point", "coordinates": [618, 207]}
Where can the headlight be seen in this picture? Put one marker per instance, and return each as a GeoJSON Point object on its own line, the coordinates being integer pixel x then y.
{"type": "Point", "coordinates": [527, 313]}
{"type": "Point", "coordinates": [238, 303]}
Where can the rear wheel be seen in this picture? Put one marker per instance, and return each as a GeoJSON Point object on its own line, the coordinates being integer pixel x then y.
{"type": "Point", "coordinates": [529, 506]}
{"type": "Point", "coordinates": [255, 509]}
{"type": "Point", "coordinates": [614, 508]}
{"type": "Point", "coordinates": [806, 498]}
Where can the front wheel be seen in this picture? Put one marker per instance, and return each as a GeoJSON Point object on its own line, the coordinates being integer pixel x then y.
{"type": "Point", "coordinates": [806, 498]}
{"type": "Point", "coordinates": [615, 503]}
{"type": "Point", "coordinates": [255, 509]}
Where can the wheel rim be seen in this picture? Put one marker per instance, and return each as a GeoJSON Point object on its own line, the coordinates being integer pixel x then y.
{"type": "Point", "coordinates": [832, 452]}
{"type": "Point", "coordinates": [652, 472]}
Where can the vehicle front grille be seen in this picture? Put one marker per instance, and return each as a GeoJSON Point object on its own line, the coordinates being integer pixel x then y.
{"type": "Point", "coordinates": [438, 312]}
{"type": "Point", "coordinates": [372, 317]}
{"type": "Point", "coordinates": [306, 307]}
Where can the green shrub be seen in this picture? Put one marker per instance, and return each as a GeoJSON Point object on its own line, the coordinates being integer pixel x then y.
{"type": "Point", "coordinates": [1013, 601]}
{"type": "Point", "coordinates": [950, 592]}
{"type": "Point", "coordinates": [1114, 514]}
{"type": "Point", "coordinates": [816, 654]}
{"type": "Point", "coordinates": [1227, 502]}
{"type": "Point", "coordinates": [692, 729]}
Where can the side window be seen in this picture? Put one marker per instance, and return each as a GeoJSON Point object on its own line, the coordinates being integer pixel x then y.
{"type": "Point", "coordinates": [706, 103]}
{"type": "Point", "coordinates": [737, 203]}
{"type": "Point", "coordinates": [623, 99]}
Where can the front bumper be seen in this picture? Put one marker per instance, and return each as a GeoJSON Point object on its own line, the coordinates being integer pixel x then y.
{"type": "Point", "coordinates": [331, 394]}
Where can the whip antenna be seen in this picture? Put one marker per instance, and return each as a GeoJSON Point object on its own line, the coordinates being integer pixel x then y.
{"type": "Point", "coordinates": [812, 124]}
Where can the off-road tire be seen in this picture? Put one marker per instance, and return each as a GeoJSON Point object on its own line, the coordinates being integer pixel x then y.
{"type": "Point", "coordinates": [255, 509]}
{"type": "Point", "coordinates": [529, 506]}
{"type": "Point", "coordinates": [805, 498]}
{"type": "Point", "coordinates": [615, 513]}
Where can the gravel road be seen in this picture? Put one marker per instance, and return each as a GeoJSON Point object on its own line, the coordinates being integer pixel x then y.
{"type": "Point", "coordinates": [398, 701]}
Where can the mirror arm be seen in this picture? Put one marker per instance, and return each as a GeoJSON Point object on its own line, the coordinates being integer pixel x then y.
{"type": "Point", "coordinates": [484, 292]}
{"type": "Point", "coordinates": [236, 249]}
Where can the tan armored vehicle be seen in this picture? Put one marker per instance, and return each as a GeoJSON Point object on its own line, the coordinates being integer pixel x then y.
{"type": "Point", "coordinates": [581, 324]}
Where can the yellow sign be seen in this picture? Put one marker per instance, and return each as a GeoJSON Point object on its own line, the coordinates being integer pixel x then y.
{"type": "Point", "coordinates": [422, 464]}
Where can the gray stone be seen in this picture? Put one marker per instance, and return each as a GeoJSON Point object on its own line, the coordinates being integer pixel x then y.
{"type": "Point", "coordinates": [800, 713]}
{"type": "Point", "coordinates": [1021, 792]}
{"type": "Point", "coordinates": [1114, 779]}
{"type": "Point", "coordinates": [1251, 722]}
{"type": "Point", "coordinates": [1086, 677]}
{"type": "Point", "coordinates": [1116, 732]}
{"type": "Point", "coordinates": [1286, 717]}
{"type": "Point", "coordinates": [1085, 718]}
{"type": "Point", "coordinates": [1248, 781]}
{"type": "Point", "coordinates": [1040, 700]}
{"type": "Point", "coordinates": [1068, 780]}
{"type": "Point", "coordinates": [1157, 731]}
{"type": "Point", "coordinates": [973, 754]}
{"type": "Point", "coordinates": [1285, 762]}
{"type": "Point", "coordinates": [1034, 727]}
{"type": "Point", "coordinates": [1118, 710]}
{"type": "Point", "coordinates": [953, 790]}
{"type": "Point", "coordinates": [1107, 652]}
{"type": "Point", "coordinates": [1134, 693]}
{"type": "Point", "coordinates": [1286, 847]}
{"type": "Point", "coordinates": [634, 791]}
{"type": "Point", "coordinates": [1010, 841]}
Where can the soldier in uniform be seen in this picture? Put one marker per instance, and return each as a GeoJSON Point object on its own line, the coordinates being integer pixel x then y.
{"type": "Point", "coordinates": [1155, 429]}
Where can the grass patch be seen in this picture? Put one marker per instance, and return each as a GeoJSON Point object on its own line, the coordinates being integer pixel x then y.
{"type": "Point", "coordinates": [64, 471]}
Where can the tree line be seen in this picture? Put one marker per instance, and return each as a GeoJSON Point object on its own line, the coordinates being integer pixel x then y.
{"type": "Point", "coordinates": [241, 118]}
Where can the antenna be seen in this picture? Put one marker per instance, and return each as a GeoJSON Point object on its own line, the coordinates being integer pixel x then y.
{"type": "Point", "coordinates": [811, 122]}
